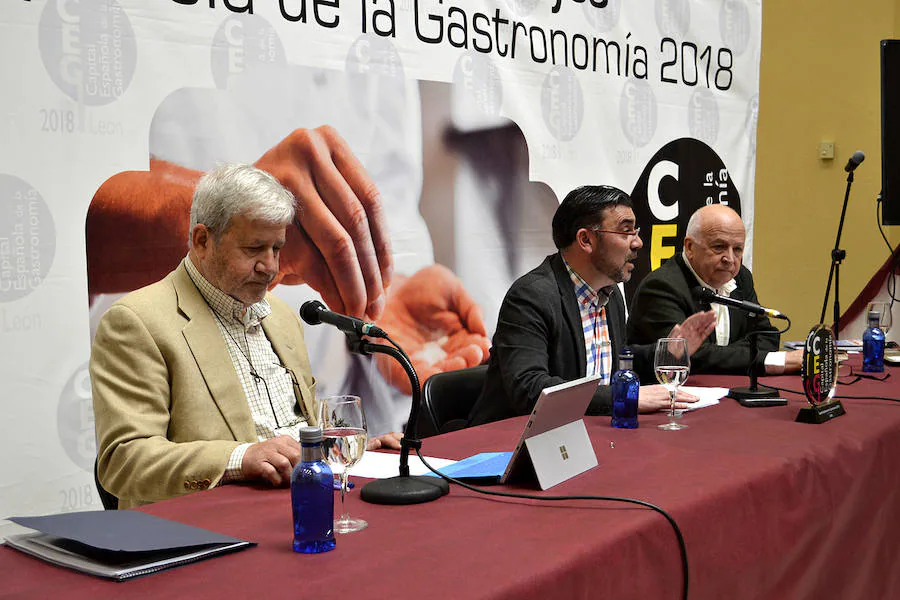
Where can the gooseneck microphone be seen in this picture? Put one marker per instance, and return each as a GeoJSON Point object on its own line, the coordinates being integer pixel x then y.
{"type": "Point", "coordinates": [704, 294]}
{"type": "Point", "coordinates": [314, 313]}
{"type": "Point", "coordinates": [404, 488]}
{"type": "Point", "coordinates": [854, 161]}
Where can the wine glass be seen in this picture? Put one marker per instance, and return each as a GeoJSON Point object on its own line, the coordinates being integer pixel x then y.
{"type": "Point", "coordinates": [343, 424]}
{"type": "Point", "coordinates": [884, 310]}
{"type": "Point", "coordinates": [672, 365]}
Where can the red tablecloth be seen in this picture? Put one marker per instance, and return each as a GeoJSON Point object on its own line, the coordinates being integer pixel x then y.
{"type": "Point", "coordinates": [769, 508]}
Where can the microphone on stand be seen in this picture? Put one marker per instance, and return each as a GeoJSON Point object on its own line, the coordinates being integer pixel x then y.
{"type": "Point", "coordinates": [838, 254]}
{"type": "Point", "coordinates": [754, 394]}
{"type": "Point", "coordinates": [314, 312]}
{"type": "Point", "coordinates": [854, 161]}
{"type": "Point", "coordinates": [405, 488]}
{"type": "Point", "coordinates": [704, 294]}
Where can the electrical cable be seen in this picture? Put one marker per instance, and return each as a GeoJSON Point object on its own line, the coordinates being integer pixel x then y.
{"type": "Point", "coordinates": [785, 330]}
{"type": "Point", "coordinates": [682, 548]}
{"type": "Point", "coordinates": [891, 284]}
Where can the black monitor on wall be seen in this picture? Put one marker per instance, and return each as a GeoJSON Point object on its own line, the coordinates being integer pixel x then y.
{"type": "Point", "coordinates": [890, 132]}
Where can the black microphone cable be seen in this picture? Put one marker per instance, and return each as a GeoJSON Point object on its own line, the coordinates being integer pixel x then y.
{"type": "Point", "coordinates": [682, 548]}
{"type": "Point", "coordinates": [781, 332]}
{"type": "Point", "coordinates": [891, 284]}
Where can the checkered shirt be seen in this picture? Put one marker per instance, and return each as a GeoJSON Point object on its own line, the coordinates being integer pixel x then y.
{"type": "Point", "coordinates": [592, 307]}
{"type": "Point", "coordinates": [252, 353]}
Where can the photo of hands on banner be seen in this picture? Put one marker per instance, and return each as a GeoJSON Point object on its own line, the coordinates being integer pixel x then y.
{"type": "Point", "coordinates": [359, 241]}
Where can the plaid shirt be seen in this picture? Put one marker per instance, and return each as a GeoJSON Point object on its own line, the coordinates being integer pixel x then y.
{"type": "Point", "coordinates": [592, 307]}
{"type": "Point", "coordinates": [266, 383]}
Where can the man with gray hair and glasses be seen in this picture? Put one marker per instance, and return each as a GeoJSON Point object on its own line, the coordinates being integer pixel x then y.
{"type": "Point", "coordinates": [203, 378]}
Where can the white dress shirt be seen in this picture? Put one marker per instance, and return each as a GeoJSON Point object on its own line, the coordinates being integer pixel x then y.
{"type": "Point", "coordinates": [774, 360]}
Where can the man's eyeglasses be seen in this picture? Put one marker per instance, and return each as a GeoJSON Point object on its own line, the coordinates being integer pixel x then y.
{"type": "Point", "coordinates": [848, 376]}
{"type": "Point", "coordinates": [632, 233]}
{"type": "Point", "coordinates": [297, 396]}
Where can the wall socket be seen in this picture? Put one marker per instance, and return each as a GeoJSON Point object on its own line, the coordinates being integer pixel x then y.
{"type": "Point", "coordinates": [826, 150]}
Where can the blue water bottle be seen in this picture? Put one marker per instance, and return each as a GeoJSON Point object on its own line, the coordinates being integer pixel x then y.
{"type": "Point", "coordinates": [312, 496]}
{"type": "Point", "coordinates": [873, 345]}
{"type": "Point", "coordinates": [625, 389]}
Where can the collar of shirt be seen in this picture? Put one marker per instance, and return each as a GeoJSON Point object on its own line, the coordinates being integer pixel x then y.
{"type": "Point", "coordinates": [224, 305]}
{"type": "Point", "coordinates": [725, 290]}
{"type": "Point", "coordinates": [723, 320]}
{"type": "Point", "coordinates": [585, 294]}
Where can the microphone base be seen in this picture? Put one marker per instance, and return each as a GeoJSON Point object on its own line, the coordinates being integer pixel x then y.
{"type": "Point", "coordinates": [748, 393]}
{"type": "Point", "coordinates": [404, 490]}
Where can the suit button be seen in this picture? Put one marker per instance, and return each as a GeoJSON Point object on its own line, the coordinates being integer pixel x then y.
{"type": "Point", "coordinates": [206, 483]}
{"type": "Point", "coordinates": [193, 485]}
{"type": "Point", "coordinates": [187, 485]}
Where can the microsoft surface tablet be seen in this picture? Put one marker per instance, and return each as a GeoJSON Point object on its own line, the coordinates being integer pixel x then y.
{"type": "Point", "coordinates": [557, 406]}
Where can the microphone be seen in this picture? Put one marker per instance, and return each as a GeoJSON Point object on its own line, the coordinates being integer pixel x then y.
{"type": "Point", "coordinates": [854, 161]}
{"type": "Point", "coordinates": [314, 312]}
{"type": "Point", "coordinates": [704, 294]}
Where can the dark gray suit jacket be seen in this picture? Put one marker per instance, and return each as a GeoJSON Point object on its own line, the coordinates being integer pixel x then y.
{"type": "Point", "coordinates": [539, 342]}
{"type": "Point", "coordinates": [664, 299]}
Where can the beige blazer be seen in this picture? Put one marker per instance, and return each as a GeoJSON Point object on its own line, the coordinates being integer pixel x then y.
{"type": "Point", "coordinates": [168, 403]}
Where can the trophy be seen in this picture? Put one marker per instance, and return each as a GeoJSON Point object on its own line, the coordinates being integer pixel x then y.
{"type": "Point", "coordinates": [819, 372]}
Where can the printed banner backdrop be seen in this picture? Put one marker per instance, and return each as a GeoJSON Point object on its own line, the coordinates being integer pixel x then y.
{"type": "Point", "coordinates": [473, 118]}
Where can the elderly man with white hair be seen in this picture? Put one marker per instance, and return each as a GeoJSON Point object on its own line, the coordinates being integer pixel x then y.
{"type": "Point", "coordinates": [713, 251]}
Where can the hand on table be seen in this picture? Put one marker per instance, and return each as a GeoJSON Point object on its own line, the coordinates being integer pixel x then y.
{"type": "Point", "coordinates": [272, 460]}
{"type": "Point", "coordinates": [793, 360]}
{"type": "Point", "coordinates": [340, 244]}
{"type": "Point", "coordinates": [652, 398]}
{"type": "Point", "coordinates": [435, 320]}
{"type": "Point", "coordinates": [389, 441]}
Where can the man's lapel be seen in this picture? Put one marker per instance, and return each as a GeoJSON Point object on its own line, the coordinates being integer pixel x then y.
{"type": "Point", "coordinates": [695, 304]}
{"type": "Point", "coordinates": [571, 314]}
{"type": "Point", "coordinates": [211, 354]}
{"type": "Point", "coordinates": [615, 324]}
{"type": "Point", "coordinates": [738, 318]}
{"type": "Point", "coordinates": [276, 326]}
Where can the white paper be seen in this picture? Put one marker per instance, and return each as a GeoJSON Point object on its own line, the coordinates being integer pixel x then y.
{"type": "Point", "coordinates": [381, 465]}
{"type": "Point", "coordinates": [708, 396]}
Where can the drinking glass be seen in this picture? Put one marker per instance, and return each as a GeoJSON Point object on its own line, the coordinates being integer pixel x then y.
{"type": "Point", "coordinates": [883, 309]}
{"type": "Point", "coordinates": [343, 424]}
{"type": "Point", "coordinates": [672, 365]}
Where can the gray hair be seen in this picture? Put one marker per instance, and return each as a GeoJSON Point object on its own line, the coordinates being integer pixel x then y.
{"type": "Point", "coordinates": [239, 189]}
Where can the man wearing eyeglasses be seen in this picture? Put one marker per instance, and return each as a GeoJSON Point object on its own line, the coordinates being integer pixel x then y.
{"type": "Point", "coordinates": [566, 318]}
{"type": "Point", "coordinates": [203, 378]}
{"type": "Point", "coordinates": [713, 251]}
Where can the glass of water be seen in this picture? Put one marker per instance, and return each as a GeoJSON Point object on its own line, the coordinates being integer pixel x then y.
{"type": "Point", "coordinates": [672, 365]}
{"type": "Point", "coordinates": [343, 424]}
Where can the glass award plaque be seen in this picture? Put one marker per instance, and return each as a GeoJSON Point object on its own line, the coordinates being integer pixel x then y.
{"type": "Point", "coordinates": [819, 373]}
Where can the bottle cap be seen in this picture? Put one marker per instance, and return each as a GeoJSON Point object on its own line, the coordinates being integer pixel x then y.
{"type": "Point", "coordinates": [626, 354]}
{"type": "Point", "coordinates": [874, 314]}
{"type": "Point", "coordinates": [310, 435]}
